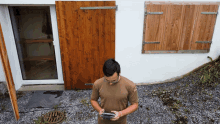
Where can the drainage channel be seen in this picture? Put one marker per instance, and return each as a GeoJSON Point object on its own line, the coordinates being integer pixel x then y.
{"type": "Point", "coordinates": [54, 117]}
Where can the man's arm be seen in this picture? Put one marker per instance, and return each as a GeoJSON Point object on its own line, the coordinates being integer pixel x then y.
{"type": "Point", "coordinates": [132, 108]}
{"type": "Point", "coordinates": [95, 105]}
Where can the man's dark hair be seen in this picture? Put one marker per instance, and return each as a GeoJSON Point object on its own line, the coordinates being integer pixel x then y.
{"type": "Point", "coordinates": [110, 67]}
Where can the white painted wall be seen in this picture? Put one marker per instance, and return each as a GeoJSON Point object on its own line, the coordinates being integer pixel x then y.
{"type": "Point", "coordinates": [9, 41]}
{"type": "Point", "coordinates": [2, 75]}
{"type": "Point", "coordinates": [141, 68]}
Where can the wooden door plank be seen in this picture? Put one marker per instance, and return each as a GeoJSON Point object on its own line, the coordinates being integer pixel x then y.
{"type": "Point", "coordinates": [155, 27]}
{"type": "Point", "coordinates": [73, 7]}
{"type": "Point", "coordinates": [188, 21]}
{"type": "Point", "coordinates": [204, 26]}
{"type": "Point", "coordinates": [107, 32]}
{"type": "Point", "coordinates": [101, 23]}
{"type": "Point", "coordinates": [109, 49]}
{"type": "Point", "coordinates": [88, 73]}
{"type": "Point", "coordinates": [8, 75]}
{"type": "Point", "coordinates": [95, 45]}
{"type": "Point", "coordinates": [112, 29]}
{"type": "Point", "coordinates": [71, 39]}
{"type": "Point", "coordinates": [84, 71]}
{"type": "Point", "coordinates": [82, 36]}
{"type": "Point", "coordinates": [60, 11]}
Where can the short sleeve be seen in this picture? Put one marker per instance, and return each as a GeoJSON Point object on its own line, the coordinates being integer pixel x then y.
{"type": "Point", "coordinates": [133, 95]}
{"type": "Point", "coordinates": [95, 92]}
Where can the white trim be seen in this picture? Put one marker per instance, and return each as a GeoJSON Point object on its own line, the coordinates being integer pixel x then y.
{"type": "Point", "coordinates": [46, 81]}
{"type": "Point", "coordinates": [11, 49]}
{"type": "Point", "coordinates": [56, 43]}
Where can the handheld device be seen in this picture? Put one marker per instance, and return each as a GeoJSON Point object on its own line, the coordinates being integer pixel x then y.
{"type": "Point", "coordinates": [107, 115]}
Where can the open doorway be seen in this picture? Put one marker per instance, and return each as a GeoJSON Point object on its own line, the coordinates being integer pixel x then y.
{"type": "Point", "coordinates": [34, 41]}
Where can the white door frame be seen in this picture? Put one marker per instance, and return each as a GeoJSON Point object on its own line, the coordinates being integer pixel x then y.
{"type": "Point", "coordinates": [56, 48]}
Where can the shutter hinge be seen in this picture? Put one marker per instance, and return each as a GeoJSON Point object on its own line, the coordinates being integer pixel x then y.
{"type": "Point", "coordinates": [155, 42]}
{"type": "Point", "coordinates": [209, 12]}
{"type": "Point", "coordinates": [153, 13]}
{"type": "Point", "coordinates": [203, 41]}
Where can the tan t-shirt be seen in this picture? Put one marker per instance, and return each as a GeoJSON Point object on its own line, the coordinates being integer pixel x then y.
{"type": "Point", "coordinates": [114, 97]}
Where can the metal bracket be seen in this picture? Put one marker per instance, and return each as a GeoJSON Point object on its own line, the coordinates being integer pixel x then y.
{"type": "Point", "coordinates": [88, 83]}
{"type": "Point", "coordinates": [203, 41]}
{"type": "Point", "coordinates": [155, 42]}
{"type": "Point", "coordinates": [153, 13]}
{"type": "Point", "coordinates": [175, 51]}
{"type": "Point", "coordinates": [104, 7]}
{"type": "Point", "coordinates": [209, 12]}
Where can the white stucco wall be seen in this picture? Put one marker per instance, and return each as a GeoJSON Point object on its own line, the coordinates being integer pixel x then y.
{"type": "Point", "coordinates": [2, 75]}
{"type": "Point", "coordinates": [10, 49]}
{"type": "Point", "coordinates": [138, 67]}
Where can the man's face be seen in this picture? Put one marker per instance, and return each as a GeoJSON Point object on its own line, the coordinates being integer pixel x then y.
{"type": "Point", "coordinates": [112, 78]}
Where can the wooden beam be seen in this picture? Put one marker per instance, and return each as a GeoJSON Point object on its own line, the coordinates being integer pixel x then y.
{"type": "Point", "coordinates": [34, 58]}
{"type": "Point", "coordinates": [39, 41]}
{"type": "Point", "coordinates": [8, 75]}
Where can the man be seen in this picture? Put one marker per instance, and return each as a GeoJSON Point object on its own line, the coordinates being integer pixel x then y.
{"type": "Point", "coordinates": [115, 91]}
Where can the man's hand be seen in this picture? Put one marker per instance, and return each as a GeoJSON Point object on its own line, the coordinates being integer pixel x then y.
{"type": "Point", "coordinates": [100, 112]}
{"type": "Point", "coordinates": [116, 116]}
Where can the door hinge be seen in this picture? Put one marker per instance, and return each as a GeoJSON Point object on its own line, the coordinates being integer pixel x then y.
{"type": "Point", "coordinates": [103, 7]}
{"type": "Point", "coordinates": [88, 83]}
{"type": "Point", "coordinates": [209, 12]}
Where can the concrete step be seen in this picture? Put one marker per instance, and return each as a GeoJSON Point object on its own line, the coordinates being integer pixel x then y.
{"type": "Point", "coordinates": [41, 87]}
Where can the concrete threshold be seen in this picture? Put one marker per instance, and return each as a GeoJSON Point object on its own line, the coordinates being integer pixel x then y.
{"type": "Point", "coordinates": [41, 87]}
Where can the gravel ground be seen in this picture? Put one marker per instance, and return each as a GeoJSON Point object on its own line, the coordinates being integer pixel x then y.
{"type": "Point", "coordinates": [186, 101]}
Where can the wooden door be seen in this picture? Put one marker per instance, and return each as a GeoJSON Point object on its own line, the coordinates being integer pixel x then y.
{"type": "Point", "coordinates": [87, 40]}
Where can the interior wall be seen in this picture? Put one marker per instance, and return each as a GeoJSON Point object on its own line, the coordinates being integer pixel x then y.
{"type": "Point", "coordinates": [31, 28]}
{"type": "Point", "coordinates": [145, 68]}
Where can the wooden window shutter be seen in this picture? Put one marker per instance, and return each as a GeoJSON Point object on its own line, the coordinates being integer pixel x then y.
{"type": "Point", "coordinates": [178, 28]}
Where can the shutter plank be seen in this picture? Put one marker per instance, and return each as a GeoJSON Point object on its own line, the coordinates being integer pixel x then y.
{"type": "Point", "coordinates": [154, 27]}
{"type": "Point", "coordinates": [210, 25]}
{"type": "Point", "coordinates": [204, 27]}
{"type": "Point", "coordinates": [188, 22]}
{"type": "Point", "coordinates": [173, 27]}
